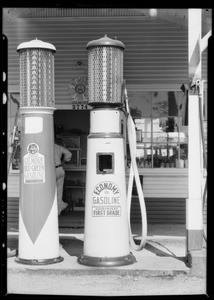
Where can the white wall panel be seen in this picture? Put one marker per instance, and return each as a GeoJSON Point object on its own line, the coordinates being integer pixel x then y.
{"type": "Point", "coordinates": [155, 53]}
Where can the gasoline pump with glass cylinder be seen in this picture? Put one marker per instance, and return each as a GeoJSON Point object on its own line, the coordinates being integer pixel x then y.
{"type": "Point", "coordinates": [38, 216]}
{"type": "Point", "coordinates": [107, 233]}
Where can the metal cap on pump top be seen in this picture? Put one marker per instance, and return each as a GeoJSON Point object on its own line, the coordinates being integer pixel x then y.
{"type": "Point", "coordinates": [36, 44]}
{"type": "Point", "coordinates": [105, 41]}
{"type": "Point", "coordinates": [105, 72]}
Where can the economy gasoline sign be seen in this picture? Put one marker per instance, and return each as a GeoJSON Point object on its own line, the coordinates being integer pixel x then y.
{"type": "Point", "coordinates": [106, 200]}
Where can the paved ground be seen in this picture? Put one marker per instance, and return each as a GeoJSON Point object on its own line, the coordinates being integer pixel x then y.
{"type": "Point", "coordinates": [108, 285]}
{"type": "Point", "coordinates": [160, 268]}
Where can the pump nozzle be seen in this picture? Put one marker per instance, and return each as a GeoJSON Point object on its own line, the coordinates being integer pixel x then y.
{"type": "Point", "coordinates": [126, 100]}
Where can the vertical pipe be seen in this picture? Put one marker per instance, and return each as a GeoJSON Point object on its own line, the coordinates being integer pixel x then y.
{"type": "Point", "coordinates": [194, 213]}
{"type": "Point", "coordinates": [152, 135]}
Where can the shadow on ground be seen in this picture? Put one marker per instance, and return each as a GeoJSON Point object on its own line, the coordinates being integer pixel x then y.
{"type": "Point", "coordinates": [162, 253]}
{"type": "Point", "coordinates": [74, 247]}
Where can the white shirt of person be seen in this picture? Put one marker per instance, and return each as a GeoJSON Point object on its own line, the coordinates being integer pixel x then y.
{"type": "Point", "coordinates": [59, 152]}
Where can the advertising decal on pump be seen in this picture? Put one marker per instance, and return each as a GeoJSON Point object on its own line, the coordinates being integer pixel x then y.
{"type": "Point", "coordinates": [34, 165]}
{"type": "Point", "coordinates": [106, 200]}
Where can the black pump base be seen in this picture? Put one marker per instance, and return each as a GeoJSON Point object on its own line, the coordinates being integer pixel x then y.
{"type": "Point", "coordinates": [37, 262]}
{"type": "Point", "coordinates": [106, 261]}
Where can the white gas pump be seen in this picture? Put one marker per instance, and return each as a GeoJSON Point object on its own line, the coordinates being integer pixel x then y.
{"type": "Point", "coordinates": [38, 216]}
{"type": "Point", "coordinates": [107, 220]}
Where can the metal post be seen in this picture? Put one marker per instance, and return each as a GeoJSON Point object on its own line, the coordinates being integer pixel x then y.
{"type": "Point", "coordinates": [194, 204]}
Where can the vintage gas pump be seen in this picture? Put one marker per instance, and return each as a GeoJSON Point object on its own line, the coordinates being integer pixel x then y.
{"type": "Point", "coordinates": [107, 228]}
{"type": "Point", "coordinates": [38, 216]}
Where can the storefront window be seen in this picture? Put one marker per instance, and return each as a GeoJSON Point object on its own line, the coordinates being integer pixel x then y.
{"type": "Point", "coordinates": [161, 128]}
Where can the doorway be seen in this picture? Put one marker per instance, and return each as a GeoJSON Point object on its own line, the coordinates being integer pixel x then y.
{"type": "Point", "coordinates": [71, 131]}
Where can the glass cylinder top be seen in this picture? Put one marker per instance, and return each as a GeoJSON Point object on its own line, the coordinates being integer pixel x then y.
{"type": "Point", "coordinates": [36, 59]}
{"type": "Point", "coordinates": [105, 71]}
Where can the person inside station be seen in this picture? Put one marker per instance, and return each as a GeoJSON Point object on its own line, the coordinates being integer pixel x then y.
{"type": "Point", "coordinates": [61, 155]}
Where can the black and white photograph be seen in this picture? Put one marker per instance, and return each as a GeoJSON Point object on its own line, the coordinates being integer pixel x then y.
{"type": "Point", "coordinates": [106, 113]}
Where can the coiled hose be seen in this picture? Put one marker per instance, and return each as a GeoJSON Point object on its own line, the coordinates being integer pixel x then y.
{"type": "Point", "coordinates": [134, 174]}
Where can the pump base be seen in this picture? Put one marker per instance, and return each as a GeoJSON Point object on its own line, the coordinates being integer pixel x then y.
{"type": "Point", "coordinates": [106, 261]}
{"type": "Point", "coordinates": [36, 262]}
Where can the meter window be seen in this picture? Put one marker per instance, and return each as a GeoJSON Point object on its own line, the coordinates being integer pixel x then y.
{"type": "Point", "coordinates": [105, 163]}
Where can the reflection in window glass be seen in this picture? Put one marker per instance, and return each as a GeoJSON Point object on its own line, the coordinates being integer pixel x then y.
{"type": "Point", "coordinates": [146, 137]}
{"type": "Point", "coordinates": [165, 104]}
{"type": "Point", "coordinates": [144, 124]}
{"type": "Point", "coordinates": [140, 104]}
{"type": "Point", "coordinates": [161, 128]}
{"type": "Point", "coordinates": [183, 135]}
{"type": "Point", "coordinates": [143, 129]}
{"type": "Point", "coordinates": [173, 104]}
{"type": "Point", "coordinates": [143, 155]}
{"type": "Point", "coordinates": [160, 137]}
{"type": "Point", "coordinates": [159, 104]}
{"type": "Point", "coordinates": [165, 155]}
{"type": "Point", "coordinates": [183, 108]}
